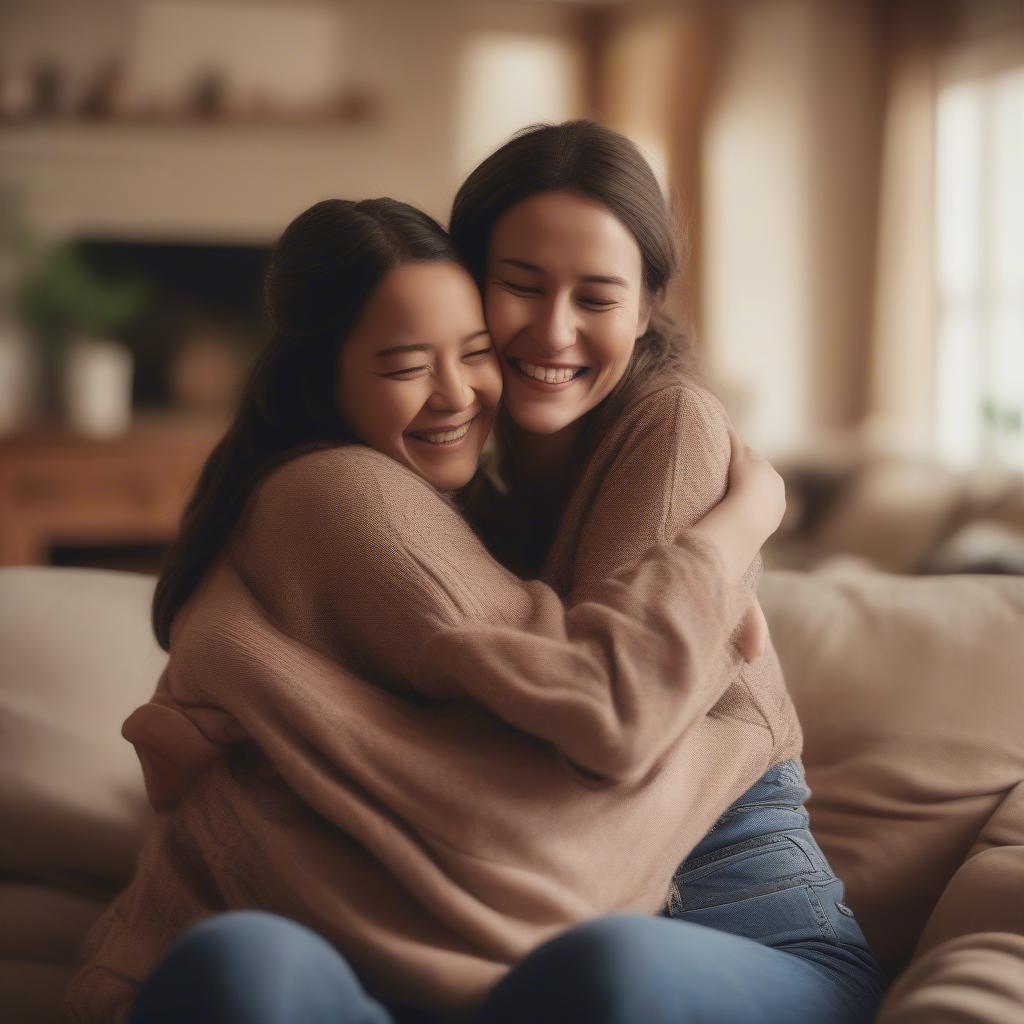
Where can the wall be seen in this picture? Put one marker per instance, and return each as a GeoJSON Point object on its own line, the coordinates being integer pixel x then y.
{"type": "Point", "coordinates": [244, 182]}
{"type": "Point", "coordinates": [790, 181]}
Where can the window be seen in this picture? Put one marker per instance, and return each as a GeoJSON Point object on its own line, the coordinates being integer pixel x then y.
{"type": "Point", "coordinates": [508, 81]}
{"type": "Point", "coordinates": [979, 399]}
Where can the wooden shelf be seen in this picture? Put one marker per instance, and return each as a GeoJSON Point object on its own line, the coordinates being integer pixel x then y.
{"type": "Point", "coordinates": [60, 488]}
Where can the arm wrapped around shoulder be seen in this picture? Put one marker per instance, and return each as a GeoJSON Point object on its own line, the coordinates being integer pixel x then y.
{"type": "Point", "coordinates": [611, 681]}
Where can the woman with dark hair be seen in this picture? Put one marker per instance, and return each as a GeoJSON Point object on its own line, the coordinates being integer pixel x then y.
{"type": "Point", "coordinates": [566, 233]}
{"type": "Point", "coordinates": [323, 270]}
{"type": "Point", "coordinates": [432, 765]}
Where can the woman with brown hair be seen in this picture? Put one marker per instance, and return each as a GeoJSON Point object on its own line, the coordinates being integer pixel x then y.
{"type": "Point", "coordinates": [571, 243]}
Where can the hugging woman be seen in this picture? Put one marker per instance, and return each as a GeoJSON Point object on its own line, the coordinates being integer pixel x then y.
{"type": "Point", "coordinates": [459, 778]}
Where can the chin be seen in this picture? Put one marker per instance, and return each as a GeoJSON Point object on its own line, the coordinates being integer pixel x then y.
{"type": "Point", "coordinates": [448, 475]}
{"type": "Point", "coordinates": [449, 480]}
{"type": "Point", "coordinates": [538, 420]}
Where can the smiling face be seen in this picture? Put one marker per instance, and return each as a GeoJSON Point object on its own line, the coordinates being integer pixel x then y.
{"type": "Point", "coordinates": [417, 376]}
{"type": "Point", "coordinates": [565, 303]}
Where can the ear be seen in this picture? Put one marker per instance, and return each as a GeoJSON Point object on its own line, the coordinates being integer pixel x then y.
{"type": "Point", "coordinates": [649, 302]}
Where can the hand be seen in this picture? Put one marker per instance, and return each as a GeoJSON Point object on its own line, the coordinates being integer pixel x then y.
{"type": "Point", "coordinates": [750, 512]}
{"type": "Point", "coordinates": [752, 637]}
{"type": "Point", "coordinates": [756, 491]}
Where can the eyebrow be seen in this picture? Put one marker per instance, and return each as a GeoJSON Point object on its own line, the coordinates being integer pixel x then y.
{"type": "Point", "coordinates": [589, 278]}
{"type": "Point", "coordinates": [395, 350]}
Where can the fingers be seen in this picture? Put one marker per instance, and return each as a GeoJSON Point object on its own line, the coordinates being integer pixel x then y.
{"type": "Point", "coordinates": [736, 442]}
{"type": "Point", "coordinates": [753, 636]}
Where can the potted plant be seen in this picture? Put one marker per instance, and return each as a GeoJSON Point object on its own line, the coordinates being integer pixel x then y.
{"type": "Point", "coordinates": [78, 316]}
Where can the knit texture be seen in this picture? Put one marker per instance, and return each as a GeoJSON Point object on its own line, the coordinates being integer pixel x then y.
{"type": "Point", "coordinates": [433, 763]}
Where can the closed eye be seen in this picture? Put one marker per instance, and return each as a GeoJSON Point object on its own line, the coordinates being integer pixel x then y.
{"type": "Point", "coordinates": [407, 373]}
{"type": "Point", "coordinates": [520, 289]}
{"type": "Point", "coordinates": [597, 303]}
{"type": "Point", "coordinates": [478, 352]}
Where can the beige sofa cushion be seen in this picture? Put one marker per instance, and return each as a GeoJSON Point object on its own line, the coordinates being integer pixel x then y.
{"type": "Point", "coordinates": [76, 657]}
{"type": "Point", "coordinates": [39, 929]}
{"type": "Point", "coordinates": [975, 979]}
{"type": "Point", "coordinates": [911, 694]}
{"type": "Point", "coordinates": [892, 514]}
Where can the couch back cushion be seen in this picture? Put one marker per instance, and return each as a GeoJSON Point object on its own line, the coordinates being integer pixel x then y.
{"type": "Point", "coordinates": [911, 694]}
{"type": "Point", "coordinates": [77, 655]}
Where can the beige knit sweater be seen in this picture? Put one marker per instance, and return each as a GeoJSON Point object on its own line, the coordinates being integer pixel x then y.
{"type": "Point", "coordinates": [518, 765]}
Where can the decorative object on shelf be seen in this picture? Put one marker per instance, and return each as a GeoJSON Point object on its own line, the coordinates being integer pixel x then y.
{"type": "Point", "coordinates": [49, 89]}
{"type": "Point", "coordinates": [98, 386]}
{"type": "Point", "coordinates": [205, 374]}
{"type": "Point", "coordinates": [207, 96]}
{"type": "Point", "coordinates": [15, 93]}
{"type": "Point", "coordinates": [357, 105]}
{"type": "Point", "coordinates": [105, 93]}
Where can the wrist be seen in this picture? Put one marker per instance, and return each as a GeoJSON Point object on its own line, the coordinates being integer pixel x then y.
{"type": "Point", "coordinates": [736, 546]}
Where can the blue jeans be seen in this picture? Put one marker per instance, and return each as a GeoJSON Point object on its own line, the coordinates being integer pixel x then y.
{"type": "Point", "coordinates": [755, 930]}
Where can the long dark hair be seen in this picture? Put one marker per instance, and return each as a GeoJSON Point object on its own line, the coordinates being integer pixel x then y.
{"type": "Point", "coordinates": [321, 273]}
{"type": "Point", "coordinates": [591, 160]}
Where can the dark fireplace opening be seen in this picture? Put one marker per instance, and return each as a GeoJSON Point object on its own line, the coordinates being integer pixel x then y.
{"type": "Point", "coordinates": [203, 319]}
{"type": "Point", "coordinates": [127, 557]}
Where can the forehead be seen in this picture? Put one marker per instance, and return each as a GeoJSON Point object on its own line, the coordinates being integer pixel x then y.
{"type": "Point", "coordinates": [563, 231]}
{"type": "Point", "coordinates": [422, 299]}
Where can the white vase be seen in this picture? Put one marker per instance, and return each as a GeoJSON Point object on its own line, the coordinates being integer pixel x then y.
{"type": "Point", "coordinates": [98, 387]}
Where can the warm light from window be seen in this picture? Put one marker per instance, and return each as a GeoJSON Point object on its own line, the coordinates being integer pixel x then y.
{"type": "Point", "coordinates": [509, 81]}
{"type": "Point", "coordinates": [980, 271]}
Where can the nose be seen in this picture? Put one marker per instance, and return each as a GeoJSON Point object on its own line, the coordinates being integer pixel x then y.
{"type": "Point", "coordinates": [555, 327]}
{"type": "Point", "coordinates": [452, 391]}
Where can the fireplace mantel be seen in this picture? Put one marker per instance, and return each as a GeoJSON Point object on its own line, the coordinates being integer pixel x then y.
{"type": "Point", "coordinates": [233, 182]}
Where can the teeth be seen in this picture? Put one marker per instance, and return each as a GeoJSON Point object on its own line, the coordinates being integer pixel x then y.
{"type": "Point", "coordinates": [445, 436]}
{"type": "Point", "coordinates": [548, 375]}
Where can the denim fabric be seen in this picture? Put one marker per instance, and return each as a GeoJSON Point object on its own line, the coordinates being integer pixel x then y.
{"type": "Point", "coordinates": [760, 874]}
{"type": "Point", "coordinates": [755, 930]}
{"type": "Point", "coordinates": [253, 967]}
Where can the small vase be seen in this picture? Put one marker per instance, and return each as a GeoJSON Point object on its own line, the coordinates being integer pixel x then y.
{"type": "Point", "coordinates": [98, 387]}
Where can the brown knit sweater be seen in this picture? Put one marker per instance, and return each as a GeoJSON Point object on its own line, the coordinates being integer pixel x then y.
{"type": "Point", "coordinates": [518, 765]}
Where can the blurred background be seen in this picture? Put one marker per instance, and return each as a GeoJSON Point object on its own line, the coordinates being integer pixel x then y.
{"type": "Point", "coordinates": [849, 175]}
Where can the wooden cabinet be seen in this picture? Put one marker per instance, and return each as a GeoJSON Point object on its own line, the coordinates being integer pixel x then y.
{"type": "Point", "coordinates": [57, 488]}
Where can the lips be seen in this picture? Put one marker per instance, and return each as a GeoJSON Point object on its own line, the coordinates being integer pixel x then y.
{"type": "Point", "coordinates": [446, 433]}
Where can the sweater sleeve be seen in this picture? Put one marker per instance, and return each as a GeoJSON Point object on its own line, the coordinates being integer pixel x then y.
{"type": "Point", "coordinates": [417, 601]}
{"type": "Point", "coordinates": [665, 466]}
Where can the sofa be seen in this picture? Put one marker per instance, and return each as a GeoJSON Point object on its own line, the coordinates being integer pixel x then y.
{"type": "Point", "coordinates": [898, 514]}
{"type": "Point", "coordinates": [911, 691]}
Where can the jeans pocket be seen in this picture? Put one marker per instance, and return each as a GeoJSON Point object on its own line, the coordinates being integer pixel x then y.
{"type": "Point", "coordinates": [777, 918]}
{"type": "Point", "coordinates": [744, 869]}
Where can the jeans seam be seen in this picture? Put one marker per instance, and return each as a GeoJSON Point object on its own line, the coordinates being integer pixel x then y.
{"type": "Point", "coordinates": [827, 930]}
{"type": "Point", "coordinates": [743, 846]}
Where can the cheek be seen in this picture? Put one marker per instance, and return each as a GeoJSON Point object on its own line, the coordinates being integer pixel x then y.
{"type": "Point", "coordinates": [506, 316]}
{"type": "Point", "coordinates": [488, 383]}
{"type": "Point", "coordinates": [615, 340]}
{"type": "Point", "coordinates": [401, 407]}
{"type": "Point", "coordinates": [386, 410]}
